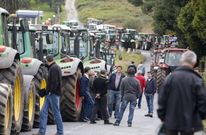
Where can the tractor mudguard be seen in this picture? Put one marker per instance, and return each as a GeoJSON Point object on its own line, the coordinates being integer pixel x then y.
{"type": "Point", "coordinates": [27, 83]}
{"type": "Point", "coordinates": [68, 66]}
{"type": "Point", "coordinates": [30, 67]}
{"type": "Point", "coordinates": [95, 64]}
{"type": "Point", "coordinates": [7, 57]}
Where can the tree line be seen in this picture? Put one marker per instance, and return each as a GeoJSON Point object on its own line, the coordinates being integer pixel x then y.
{"type": "Point", "coordinates": [184, 18]}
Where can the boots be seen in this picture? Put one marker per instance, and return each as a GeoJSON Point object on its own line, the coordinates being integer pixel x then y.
{"type": "Point", "coordinates": [106, 122]}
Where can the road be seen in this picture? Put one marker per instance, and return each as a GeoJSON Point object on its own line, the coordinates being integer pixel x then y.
{"type": "Point", "coordinates": [70, 8]}
{"type": "Point", "coordinates": [141, 124]}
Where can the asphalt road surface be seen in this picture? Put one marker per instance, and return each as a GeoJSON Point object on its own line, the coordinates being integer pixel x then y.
{"type": "Point", "coordinates": [141, 125]}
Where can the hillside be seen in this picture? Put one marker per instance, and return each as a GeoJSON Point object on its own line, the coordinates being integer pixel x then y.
{"type": "Point", "coordinates": [118, 12]}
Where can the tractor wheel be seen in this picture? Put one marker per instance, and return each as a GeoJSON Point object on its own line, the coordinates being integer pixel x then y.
{"type": "Point", "coordinates": [40, 83]}
{"type": "Point", "coordinates": [6, 111]}
{"type": "Point", "coordinates": [71, 102]}
{"type": "Point", "coordinates": [161, 74]}
{"type": "Point", "coordinates": [13, 76]}
{"type": "Point", "coordinates": [29, 107]}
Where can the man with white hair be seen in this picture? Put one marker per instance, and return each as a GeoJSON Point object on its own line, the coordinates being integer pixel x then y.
{"type": "Point", "coordinates": [182, 99]}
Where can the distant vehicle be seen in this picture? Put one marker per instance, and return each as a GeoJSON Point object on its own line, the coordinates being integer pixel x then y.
{"type": "Point", "coordinates": [73, 24]}
{"type": "Point", "coordinates": [33, 16]}
{"type": "Point", "coordinates": [106, 27]}
{"type": "Point", "coordinates": [94, 21]}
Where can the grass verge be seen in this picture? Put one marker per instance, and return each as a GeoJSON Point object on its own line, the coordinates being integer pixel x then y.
{"type": "Point", "coordinates": [127, 58]}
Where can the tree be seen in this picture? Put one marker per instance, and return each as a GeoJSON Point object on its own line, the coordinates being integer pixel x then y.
{"type": "Point", "coordinates": [166, 12]}
{"type": "Point", "coordinates": [192, 23]}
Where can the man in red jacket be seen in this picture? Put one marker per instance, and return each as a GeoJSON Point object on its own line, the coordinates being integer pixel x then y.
{"type": "Point", "coordinates": [142, 82]}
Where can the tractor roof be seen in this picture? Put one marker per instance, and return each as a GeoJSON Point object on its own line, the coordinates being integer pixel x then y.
{"type": "Point", "coordinates": [63, 27]}
{"type": "Point", "coordinates": [29, 13]}
{"type": "Point", "coordinates": [3, 11]}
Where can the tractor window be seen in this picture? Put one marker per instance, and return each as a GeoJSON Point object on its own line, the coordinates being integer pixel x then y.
{"type": "Point", "coordinates": [173, 58]}
{"type": "Point", "coordinates": [83, 48]}
{"type": "Point", "coordinates": [71, 45]}
{"type": "Point", "coordinates": [50, 43]}
{"type": "Point", "coordinates": [20, 42]}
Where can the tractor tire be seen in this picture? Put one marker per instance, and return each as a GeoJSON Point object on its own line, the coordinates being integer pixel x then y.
{"type": "Point", "coordinates": [29, 107]}
{"type": "Point", "coordinates": [161, 75]}
{"type": "Point", "coordinates": [6, 111]}
{"type": "Point", "coordinates": [13, 76]}
{"type": "Point", "coordinates": [71, 102]}
{"type": "Point", "coordinates": [40, 83]}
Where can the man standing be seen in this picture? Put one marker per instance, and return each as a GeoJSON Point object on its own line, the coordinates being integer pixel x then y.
{"type": "Point", "coordinates": [100, 88]}
{"type": "Point", "coordinates": [114, 91]}
{"type": "Point", "coordinates": [87, 98]}
{"type": "Point", "coordinates": [53, 93]}
{"type": "Point", "coordinates": [141, 68]}
{"type": "Point", "coordinates": [142, 82]}
{"type": "Point", "coordinates": [182, 99]}
{"type": "Point", "coordinates": [150, 90]}
{"type": "Point", "coordinates": [130, 89]}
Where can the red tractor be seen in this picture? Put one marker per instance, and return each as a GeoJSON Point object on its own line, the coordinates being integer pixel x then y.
{"type": "Point", "coordinates": [164, 62]}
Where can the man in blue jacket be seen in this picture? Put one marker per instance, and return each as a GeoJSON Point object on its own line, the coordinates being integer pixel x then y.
{"type": "Point", "coordinates": [88, 102]}
{"type": "Point", "coordinates": [114, 91]}
{"type": "Point", "coordinates": [150, 90]}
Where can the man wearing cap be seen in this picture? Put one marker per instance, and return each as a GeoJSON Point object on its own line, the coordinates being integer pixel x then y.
{"type": "Point", "coordinates": [52, 98]}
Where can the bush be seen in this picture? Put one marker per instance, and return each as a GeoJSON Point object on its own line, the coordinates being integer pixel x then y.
{"type": "Point", "coordinates": [147, 7]}
{"type": "Point", "coordinates": [136, 2]}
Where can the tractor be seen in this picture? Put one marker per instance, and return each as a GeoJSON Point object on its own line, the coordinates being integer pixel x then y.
{"type": "Point", "coordinates": [164, 62]}
{"type": "Point", "coordinates": [55, 41]}
{"type": "Point", "coordinates": [30, 66]}
{"type": "Point", "coordinates": [128, 39]}
{"type": "Point", "coordinates": [12, 91]}
{"type": "Point", "coordinates": [85, 48]}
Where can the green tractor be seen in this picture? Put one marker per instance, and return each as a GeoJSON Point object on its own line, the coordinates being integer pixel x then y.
{"type": "Point", "coordinates": [86, 50]}
{"type": "Point", "coordinates": [33, 70]}
{"type": "Point", "coordinates": [56, 41]}
{"type": "Point", "coordinates": [12, 107]}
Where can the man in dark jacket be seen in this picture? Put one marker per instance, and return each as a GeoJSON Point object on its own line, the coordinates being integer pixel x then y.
{"type": "Point", "coordinates": [88, 102]}
{"type": "Point", "coordinates": [130, 89]}
{"type": "Point", "coordinates": [100, 88]}
{"type": "Point", "coordinates": [52, 99]}
{"type": "Point", "coordinates": [182, 99]}
{"type": "Point", "coordinates": [150, 90]}
{"type": "Point", "coordinates": [114, 96]}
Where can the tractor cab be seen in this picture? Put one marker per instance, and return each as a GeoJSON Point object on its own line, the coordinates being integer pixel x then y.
{"type": "Point", "coordinates": [164, 62]}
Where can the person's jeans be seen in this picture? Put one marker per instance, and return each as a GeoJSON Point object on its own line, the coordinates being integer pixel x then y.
{"type": "Point", "coordinates": [114, 97]}
{"type": "Point", "coordinates": [149, 99]}
{"type": "Point", "coordinates": [52, 101]}
{"type": "Point", "coordinates": [132, 106]}
{"type": "Point", "coordinates": [140, 100]}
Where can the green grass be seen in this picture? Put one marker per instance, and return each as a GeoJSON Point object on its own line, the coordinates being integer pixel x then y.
{"type": "Point", "coordinates": [127, 58]}
{"type": "Point", "coordinates": [117, 12]}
